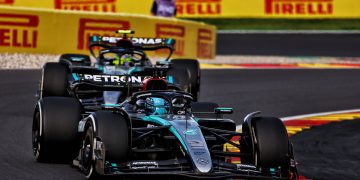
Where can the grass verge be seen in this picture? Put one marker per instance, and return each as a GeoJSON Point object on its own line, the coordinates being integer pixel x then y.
{"type": "Point", "coordinates": [283, 24]}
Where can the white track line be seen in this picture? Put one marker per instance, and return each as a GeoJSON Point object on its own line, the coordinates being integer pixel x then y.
{"type": "Point", "coordinates": [319, 114]}
{"type": "Point", "coordinates": [288, 32]}
{"type": "Point", "coordinates": [238, 127]}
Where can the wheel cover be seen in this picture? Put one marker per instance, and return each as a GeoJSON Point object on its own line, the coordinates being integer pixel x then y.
{"type": "Point", "coordinates": [36, 135]}
{"type": "Point", "coordinates": [87, 156]}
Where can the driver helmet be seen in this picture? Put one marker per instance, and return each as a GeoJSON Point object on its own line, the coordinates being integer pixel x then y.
{"type": "Point", "coordinates": [156, 106]}
{"type": "Point", "coordinates": [123, 60]}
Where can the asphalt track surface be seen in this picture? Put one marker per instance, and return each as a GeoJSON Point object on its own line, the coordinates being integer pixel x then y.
{"type": "Point", "coordinates": [328, 152]}
{"type": "Point", "coordinates": [338, 45]}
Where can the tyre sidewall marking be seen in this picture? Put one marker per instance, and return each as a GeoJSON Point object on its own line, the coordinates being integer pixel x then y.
{"type": "Point", "coordinates": [40, 119]}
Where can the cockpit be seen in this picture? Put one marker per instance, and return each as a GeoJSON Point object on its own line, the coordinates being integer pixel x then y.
{"type": "Point", "coordinates": [159, 103]}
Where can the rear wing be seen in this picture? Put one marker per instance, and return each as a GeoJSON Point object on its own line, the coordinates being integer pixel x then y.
{"type": "Point", "coordinates": [139, 42]}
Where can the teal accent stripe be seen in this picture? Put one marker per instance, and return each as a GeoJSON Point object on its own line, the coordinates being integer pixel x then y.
{"type": "Point", "coordinates": [111, 105]}
{"type": "Point", "coordinates": [131, 70]}
{"type": "Point", "coordinates": [134, 70]}
{"type": "Point", "coordinates": [163, 122]}
{"type": "Point", "coordinates": [74, 75]}
{"type": "Point", "coordinates": [272, 171]}
{"type": "Point", "coordinates": [101, 68]}
{"type": "Point", "coordinates": [225, 108]}
{"type": "Point", "coordinates": [177, 135]}
{"type": "Point", "coordinates": [196, 119]}
{"type": "Point", "coordinates": [170, 79]}
{"type": "Point", "coordinates": [156, 120]}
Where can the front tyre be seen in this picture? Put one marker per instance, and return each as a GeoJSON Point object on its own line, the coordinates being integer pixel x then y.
{"type": "Point", "coordinates": [113, 130]}
{"type": "Point", "coordinates": [54, 131]}
{"type": "Point", "coordinates": [267, 140]}
{"type": "Point", "coordinates": [87, 153]}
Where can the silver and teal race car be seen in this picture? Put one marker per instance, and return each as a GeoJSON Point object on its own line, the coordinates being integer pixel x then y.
{"type": "Point", "coordinates": [160, 132]}
{"type": "Point", "coordinates": [136, 56]}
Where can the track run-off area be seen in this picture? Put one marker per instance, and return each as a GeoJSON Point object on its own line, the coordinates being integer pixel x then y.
{"type": "Point", "coordinates": [326, 145]}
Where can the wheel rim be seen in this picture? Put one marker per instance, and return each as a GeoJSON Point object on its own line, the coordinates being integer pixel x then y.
{"type": "Point", "coordinates": [87, 156]}
{"type": "Point", "coordinates": [36, 135]}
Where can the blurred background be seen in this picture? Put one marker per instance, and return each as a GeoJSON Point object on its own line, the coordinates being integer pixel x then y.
{"type": "Point", "coordinates": [283, 57]}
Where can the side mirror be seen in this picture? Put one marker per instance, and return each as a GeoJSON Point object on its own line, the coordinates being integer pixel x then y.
{"type": "Point", "coordinates": [221, 110]}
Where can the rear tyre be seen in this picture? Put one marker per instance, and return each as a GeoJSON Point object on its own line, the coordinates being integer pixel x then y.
{"type": "Point", "coordinates": [193, 67]}
{"type": "Point", "coordinates": [181, 77]}
{"type": "Point", "coordinates": [271, 149]}
{"type": "Point", "coordinates": [54, 80]}
{"type": "Point", "coordinates": [54, 131]}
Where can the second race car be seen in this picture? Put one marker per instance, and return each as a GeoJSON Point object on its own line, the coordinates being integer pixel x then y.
{"type": "Point", "coordinates": [130, 55]}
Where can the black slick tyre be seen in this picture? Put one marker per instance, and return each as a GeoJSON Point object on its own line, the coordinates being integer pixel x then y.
{"type": "Point", "coordinates": [270, 142]}
{"type": "Point", "coordinates": [193, 68]}
{"type": "Point", "coordinates": [54, 80]}
{"type": "Point", "coordinates": [87, 162]}
{"type": "Point", "coordinates": [114, 132]}
{"type": "Point", "coordinates": [180, 77]}
{"type": "Point", "coordinates": [54, 131]}
{"type": "Point", "coordinates": [113, 129]}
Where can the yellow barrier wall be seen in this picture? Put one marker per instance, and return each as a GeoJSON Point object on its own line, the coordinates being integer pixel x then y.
{"type": "Point", "coordinates": [122, 6]}
{"type": "Point", "coordinates": [212, 8]}
{"type": "Point", "coordinates": [50, 31]}
{"type": "Point", "coordinates": [269, 8]}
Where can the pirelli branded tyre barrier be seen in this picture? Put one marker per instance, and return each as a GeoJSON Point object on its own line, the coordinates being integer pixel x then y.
{"type": "Point", "coordinates": [48, 31]}
{"type": "Point", "coordinates": [212, 8]}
